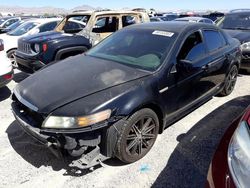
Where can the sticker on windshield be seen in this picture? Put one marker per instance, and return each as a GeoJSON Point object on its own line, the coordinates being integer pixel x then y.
{"type": "Point", "coordinates": [163, 33]}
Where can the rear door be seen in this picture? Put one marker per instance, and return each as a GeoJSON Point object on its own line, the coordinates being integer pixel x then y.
{"type": "Point", "coordinates": [217, 50]}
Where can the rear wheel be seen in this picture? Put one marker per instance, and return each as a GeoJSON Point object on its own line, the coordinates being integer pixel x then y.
{"type": "Point", "coordinates": [11, 56]}
{"type": "Point", "coordinates": [230, 81]}
{"type": "Point", "coordinates": [137, 136]}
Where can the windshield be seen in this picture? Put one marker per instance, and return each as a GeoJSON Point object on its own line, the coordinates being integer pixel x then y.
{"type": "Point", "coordinates": [234, 21]}
{"type": "Point", "coordinates": [22, 29]}
{"type": "Point", "coordinates": [144, 49]}
{"type": "Point", "coordinates": [73, 24]}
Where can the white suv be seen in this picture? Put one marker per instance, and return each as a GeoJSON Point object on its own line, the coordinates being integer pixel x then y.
{"type": "Point", "coordinates": [6, 71]}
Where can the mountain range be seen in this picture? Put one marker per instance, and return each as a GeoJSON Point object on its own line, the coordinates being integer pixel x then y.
{"type": "Point", "coordinates": [44, 10]}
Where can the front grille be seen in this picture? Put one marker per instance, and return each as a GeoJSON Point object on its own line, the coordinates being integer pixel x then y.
{"type": "Point", "coordinates": [24, 47]}
{"type": "Point", "coordinates": [30, 116]}
{"type": "Point", "coordinates": [246, 56]}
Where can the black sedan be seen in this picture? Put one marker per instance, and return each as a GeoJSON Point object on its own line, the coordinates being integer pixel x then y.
{"type": "Point", "coordinates": [115, 99]}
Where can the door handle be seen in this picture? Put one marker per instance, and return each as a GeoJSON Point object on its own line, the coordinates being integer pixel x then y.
{"type": "Point", "coordinates": [205, 67]}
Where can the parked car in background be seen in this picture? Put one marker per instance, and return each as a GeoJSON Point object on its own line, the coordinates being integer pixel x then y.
{"type": "Point", "coordinates": [6, 71]}
{"type": "Point", "coordinates": [237, 24]}
{"type": "Point", "coordinates": [28, 28]}
{"type": "Point", "coordinates": [195, 19]}
{"type": "Point", "coordinates": [77, 33]}
{"type": "Point", "coordinates": [156, 19]}
{"type": "Point", "coordinates": [116, 98]}
{"type": "Point", "coordinates": [12, 26]}
{"type": "Point", "coordinates": [230, 165]}
{"type": "Point", "coordinates": [169, 17]}
{"type": "Point", "coordinates": [8, 21]}
{"type": "Point", "coordinates": [164, 17]}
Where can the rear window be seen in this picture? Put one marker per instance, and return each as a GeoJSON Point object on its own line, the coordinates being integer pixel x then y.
{"type": "Point", "coordinates": [214, 40]}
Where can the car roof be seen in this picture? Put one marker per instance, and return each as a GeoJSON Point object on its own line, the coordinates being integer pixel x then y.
{"type": "Point", "coordinates": [172, 26]}
{"type": "Point", "coordinates": [44, 20]}
{"type": "Point", "coordinates": [8, 17]}
{"type": "Point", "coordinates": [239, 12]}
{"type": "Point", "coordinates": [103, 12]}
{"type": "Point", "coordinates": [193, 18]}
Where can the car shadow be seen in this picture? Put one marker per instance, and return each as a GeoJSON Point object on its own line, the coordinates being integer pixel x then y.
{"type": "Point", "coordinates": [4, 93]}
{"type": "Point", "coordinates": [188, 164]}
{"type": "Point", "coordinates": [243, 72]}
{"type": "Point", "coordinates": [38, 155]}
{"type": "Point", "coordinates": [20, 76]}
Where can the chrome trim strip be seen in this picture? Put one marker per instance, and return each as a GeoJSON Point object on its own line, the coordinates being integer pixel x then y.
{"type": "Point", "coordinates": [23, 101]}
{"type": "Point", "coordinates": [163, 90]}
{"type": "Point", "coordinates": [216, 61]}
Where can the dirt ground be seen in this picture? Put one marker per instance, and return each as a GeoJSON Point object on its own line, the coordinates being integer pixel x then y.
{"type": "Point", "coordinates": [179, 158]}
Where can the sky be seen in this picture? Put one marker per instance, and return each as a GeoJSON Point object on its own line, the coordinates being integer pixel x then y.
{"type": "Point", "coordinates": [116, 4]}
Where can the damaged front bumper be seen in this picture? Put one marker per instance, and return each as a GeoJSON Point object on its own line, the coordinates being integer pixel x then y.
{"type": "Point", "coordinates": [81, 150]}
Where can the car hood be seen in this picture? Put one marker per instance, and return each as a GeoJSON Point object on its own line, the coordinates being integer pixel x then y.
{"type": "Point", "coordinates": [72, 79]}
{"type": "Point", "coordinates": [46, 36]}
{"type": "Point", "coordinates": [241, 35]}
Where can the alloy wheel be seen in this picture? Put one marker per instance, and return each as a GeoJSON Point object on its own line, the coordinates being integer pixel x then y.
{"type": "Point", "coordinates": [231, 79]}
{"type": "Point", "coordinates": [141, 137]}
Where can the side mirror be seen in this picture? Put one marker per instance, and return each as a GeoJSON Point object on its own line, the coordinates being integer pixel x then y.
{"type": "Point", "coordinates": [184, 62]}
{"type": "Point", "coordinates": [184, 65]}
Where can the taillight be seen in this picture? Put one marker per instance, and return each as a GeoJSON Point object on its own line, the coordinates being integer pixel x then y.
{"type": "Point", "coordinates": [246, 116]}
{"type": "Point", "coordinates": [45, 47]}
{"type": "Point", "coordinates": [8, 76]}
{"type": "Point", "coordinates": [1, 45]}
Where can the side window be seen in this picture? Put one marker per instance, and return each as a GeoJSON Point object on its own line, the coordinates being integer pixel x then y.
{"type": "Point", "coordinates": [106, 24]}
{"type": "Point", "coordinates": [214, 40]}
{"type": "Point", "coordinates": [128, 20]}
{"type": "Point", "coordinates": [48, 26]}
{"type": "Point", "coordinates": [193, 48]}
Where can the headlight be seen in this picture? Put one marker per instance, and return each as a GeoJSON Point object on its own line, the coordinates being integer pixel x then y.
{"type": "Point", "coordinates": [37, 48]}
{"type": "Point", "coordinates": [76, 122]}
{"type": "Point", "coordinates": [239, 156]}
{"type": "Point", "coordinates": [245, 46]}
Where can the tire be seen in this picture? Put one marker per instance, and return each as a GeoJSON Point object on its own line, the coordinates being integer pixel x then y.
{"type": "Point", "coordinates": [230, 81]}
{"type": "Point", "coordinates": [11, 56]}
{"type": "Point", "coordinates": [137, 136]}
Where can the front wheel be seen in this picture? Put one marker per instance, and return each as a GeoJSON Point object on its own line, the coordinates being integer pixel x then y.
{"type": "Point", "coordinates": [11, 56]}
{"type": "Point", "coordinates": [230, 81]}
{"type": "Point", "coordinates": [137, 136]}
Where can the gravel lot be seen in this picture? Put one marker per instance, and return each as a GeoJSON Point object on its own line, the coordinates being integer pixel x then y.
{"type": "Point", "coordinates": [179, 158]}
